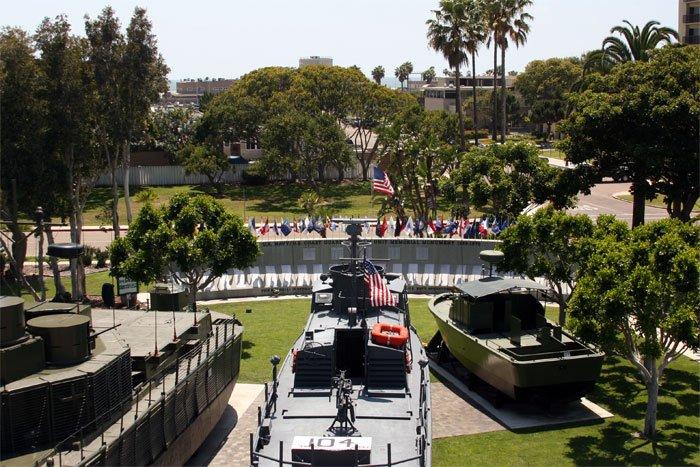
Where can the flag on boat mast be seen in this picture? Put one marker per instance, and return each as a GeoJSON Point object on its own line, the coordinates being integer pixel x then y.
{"type": "Point", "coordinates": [379, 293]}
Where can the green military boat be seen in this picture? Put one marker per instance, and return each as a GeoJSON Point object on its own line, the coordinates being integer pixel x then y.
{"type": "Point", "coordinates": [496, 327]}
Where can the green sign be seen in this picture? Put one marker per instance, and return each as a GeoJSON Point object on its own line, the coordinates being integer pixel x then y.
{"type": "Point", "coordinates": [126, 286]}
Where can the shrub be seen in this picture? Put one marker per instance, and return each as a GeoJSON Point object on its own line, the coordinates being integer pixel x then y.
{"type": "Point", "coordinates": [101, 257]}
{"type": "Point", "coordinates": [254, 176]}
{"type": "Point", "coordinates": [146, 195]}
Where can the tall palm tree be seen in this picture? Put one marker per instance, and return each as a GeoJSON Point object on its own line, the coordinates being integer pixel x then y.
{"type": "Point", "coordinates": [492, 14]}
{"type": "Point", "coordinates": [446, 35]}
{"type": "Point", "coordinates": [475, 32]}
{"type": "Point", "coordinates": [634, 45]}
{"type": "Point", "coordinates": [512, 26]}
{"type": "Point", "coordinates": [378, 74]}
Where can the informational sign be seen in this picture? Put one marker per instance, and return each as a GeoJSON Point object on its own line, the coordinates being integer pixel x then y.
{"type": "Point", "coordinates": [126, 286]}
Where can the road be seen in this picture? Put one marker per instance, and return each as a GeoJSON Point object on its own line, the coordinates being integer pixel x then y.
{"type": "Point", "coordinates": [601, 201]}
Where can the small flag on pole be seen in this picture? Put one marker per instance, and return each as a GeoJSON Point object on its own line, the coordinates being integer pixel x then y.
{"type": "Point", "coordinates": [381, 183]}
{"type": "Point", "coordinates": [379, 293]}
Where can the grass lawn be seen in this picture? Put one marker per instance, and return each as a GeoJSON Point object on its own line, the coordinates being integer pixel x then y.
{"type": "Point", "coordinates": [93, 284]}
{"type": "Point", "coordinates": [609, 443]}
{"type": "Point", "coordinates": [273, 201]}
{"type": "Point", "coordinates": [657, 202]}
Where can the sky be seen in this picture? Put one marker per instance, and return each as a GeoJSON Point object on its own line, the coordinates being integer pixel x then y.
{"type": "Point", "coordinates": [207, 38]}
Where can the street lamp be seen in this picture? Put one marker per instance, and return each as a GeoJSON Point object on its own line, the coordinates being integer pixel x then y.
{"type": "Point", "coordinates": [239, 161]}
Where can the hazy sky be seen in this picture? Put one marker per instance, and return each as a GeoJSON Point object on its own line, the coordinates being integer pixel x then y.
{"type": "Point", "coordinates": [201, 38]}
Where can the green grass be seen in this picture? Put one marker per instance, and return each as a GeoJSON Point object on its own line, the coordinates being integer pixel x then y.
{"type": "Point", "coordinates": [657, 202]}
{"type": "Point", "coordinates": [273, 326]}
{"type": "Point", "coordinates": [273, 201]}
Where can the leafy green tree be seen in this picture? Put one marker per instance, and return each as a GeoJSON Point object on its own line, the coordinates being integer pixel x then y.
{"type": "Point", "coordinates": [643, 118]}
{"type": "Point", "coordinates": [504, 179]}
{"type": "Point", "coordinates": [70, 95]}
{"type": "Point", "coordinates": [106, 47]}
{"type": "Point", "coordinates": [545, 85]}
{"type": "Point", "coordinates": [143, 74]}
{"type": "Point", "coordinates": [23, 123]}
{"type": "Point", "coordinates": [554, 245]}
{"type": "Point", "coordinates": [372, 107]}
{"type": "Point", "coordinates": [417, 150]}
{"type": "Point", "coordinates": [378, 74]}
{"type": "Point", "coordinates": [446, 34]}
{"type": "Point", "coordinates": [167, 130]}
{"type": "Point", "coordinates": [403, 71]}
{"type": "Point", "coordinates": [633, 45]}
{"type": "Point", "coordinates": [206, 160]}
{"type": "Point", "coordinates": [637, 297]}
{"type": "Point", "coordinates": [197, 241]}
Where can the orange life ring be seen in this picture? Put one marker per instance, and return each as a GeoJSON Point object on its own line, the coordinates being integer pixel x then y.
{"type": "Point", "coordinates": [393, 335]}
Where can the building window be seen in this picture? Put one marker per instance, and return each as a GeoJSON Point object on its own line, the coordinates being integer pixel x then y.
{"type": "Point", "coordinates": [251, 144]}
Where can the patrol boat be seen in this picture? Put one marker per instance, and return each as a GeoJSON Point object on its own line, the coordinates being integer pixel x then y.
{"type": "Point", "coordinates": [496, 328]}
{"type": "Point", "coordinates": [355, 387]}
{"type": "Point", "coordinates": [82, 386]}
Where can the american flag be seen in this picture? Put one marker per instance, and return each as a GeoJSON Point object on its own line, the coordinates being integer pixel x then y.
{"type": "Point", "coordinates": [381, 183]}
{"type": "Point", "coordinates": [379, 293]}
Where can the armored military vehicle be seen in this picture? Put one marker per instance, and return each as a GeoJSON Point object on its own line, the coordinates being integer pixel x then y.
{"type": "Point", "coordinates": [496, 327]}
{"type": "Point", "coordinates": [354, 389]}
{"type": "Point", "coordinates": [82, 386]}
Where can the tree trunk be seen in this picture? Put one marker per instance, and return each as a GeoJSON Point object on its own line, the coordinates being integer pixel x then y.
{"type": "Point", "coordinates": [112, 161]}
{"type": "Point", "coordinates": [494, 97]}
{"type": "Point", "coordinates": [19, 244]}
{"type": "Point", "coordinates": [192, 292]}
{"type": "Point", "coordinates": [460, 113]}
{"type": "Point", "coordinates": [53, 263]}
{"type": "Point", "coordinates": [562, 312]}
{"type": "Point", "coordinates": [503, 95]}
{"type": "Point", "coordinates": [652, 402]}
{"type": "Point", "coordinates": [474, 113]}
{"type": "Point", "coordinates": [126, 164]}
{"type": "Point", "coordinates": [639, 188]}
{"type": "Point", "coordinates": [365, 169]}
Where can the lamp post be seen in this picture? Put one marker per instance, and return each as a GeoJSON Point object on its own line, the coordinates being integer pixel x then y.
{"type": "Point", "coordinates": [239, 161]}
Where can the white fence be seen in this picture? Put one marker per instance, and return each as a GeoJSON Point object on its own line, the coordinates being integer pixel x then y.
{"type": "Point", "coordinates": [175, 175]}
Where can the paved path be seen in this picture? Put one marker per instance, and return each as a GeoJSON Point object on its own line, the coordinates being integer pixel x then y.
{"type": "Point", "coordinates": [455, 416]}
{"type": "Point", "coordinates": [601, 201]}
{"type": "Point", "coordinates": [228, 443]}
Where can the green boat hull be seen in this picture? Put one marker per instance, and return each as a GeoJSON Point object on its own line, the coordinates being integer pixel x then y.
{"type": "Point", "coordinates": [550, 379]}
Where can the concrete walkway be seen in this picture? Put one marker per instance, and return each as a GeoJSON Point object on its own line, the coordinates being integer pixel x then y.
{"type": "Point", "coordinates": [228, 443]}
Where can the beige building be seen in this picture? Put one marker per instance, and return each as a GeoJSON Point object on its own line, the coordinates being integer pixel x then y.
{"type": "Point", "coordinates": [315, 60]}
{"type": "Point", "coordinates": [441, 94]}
{"type": "Point", "coordinates": [689, 21]}
{"type": "Point", "coordinates": [199, 86]}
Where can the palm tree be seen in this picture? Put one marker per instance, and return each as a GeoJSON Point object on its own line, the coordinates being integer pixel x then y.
{"type": "Point", "coordinates": [403, 71]}
{"type": "Point", "coordinates": [634, 45]}
{"type": "Point", "coordinates": [446, 35]}
{"type": "Point", "coordinates": [511, 26]}
{"type": "Point", "coordinates": [475, 32]}
{"type": "Point", "coordinates": [378, 74]}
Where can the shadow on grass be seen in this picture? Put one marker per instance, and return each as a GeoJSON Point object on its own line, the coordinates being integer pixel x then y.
{"type": "Point", "coordinates": [616, 443]}
{"type": "Point", "coordinates": [247, 345]}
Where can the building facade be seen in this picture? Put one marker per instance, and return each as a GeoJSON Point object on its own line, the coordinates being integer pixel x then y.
{"type": "Point", "coordinates": [689, 21]}
{"type": "Point", "coordinates": [199, 87]}
{"type": "Point", "coordinates": [315, 60]}
{"type": "Point", "coordinates": [441, 94]}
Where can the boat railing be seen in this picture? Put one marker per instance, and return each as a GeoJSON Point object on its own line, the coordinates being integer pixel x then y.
{"type": "Point", "coordinates": [256, 456]}
{"type": "Point", "coordinates": [178, 373]}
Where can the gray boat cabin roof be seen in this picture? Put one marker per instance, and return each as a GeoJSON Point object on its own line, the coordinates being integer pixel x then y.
{"type": "Point", "coordinates": [495, 284]}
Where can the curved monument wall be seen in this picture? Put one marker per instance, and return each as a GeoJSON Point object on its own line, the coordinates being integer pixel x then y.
{"type": "Point", "coordinates": [290, 266]}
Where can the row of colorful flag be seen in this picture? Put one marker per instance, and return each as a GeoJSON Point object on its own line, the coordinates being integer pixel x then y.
{"type": "Point", "coordinates": [486, 227]}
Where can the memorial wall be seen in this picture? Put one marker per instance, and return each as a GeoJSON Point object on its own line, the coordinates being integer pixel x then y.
{"type": "Point", "coordinates": [285, 267]}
